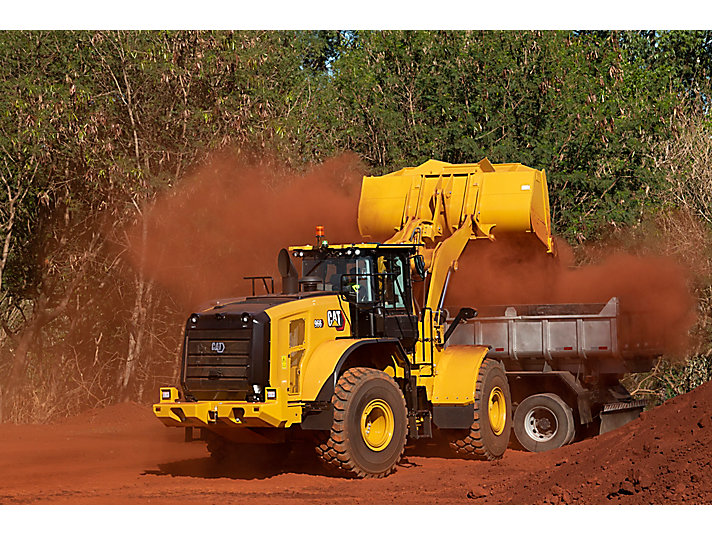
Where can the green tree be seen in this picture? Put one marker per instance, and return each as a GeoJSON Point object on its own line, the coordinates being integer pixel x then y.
{"type": "Point", "coordinates": [585, 106]}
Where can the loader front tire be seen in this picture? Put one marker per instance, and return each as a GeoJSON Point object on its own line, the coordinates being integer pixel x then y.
{"type": "Point", "coordinates": [368, 433]}
{"type": "Point", "coordinates": [489, 434]}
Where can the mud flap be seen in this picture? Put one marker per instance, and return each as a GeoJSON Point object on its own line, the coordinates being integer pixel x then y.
{"type": "Point", "coordinates": [617, 414]}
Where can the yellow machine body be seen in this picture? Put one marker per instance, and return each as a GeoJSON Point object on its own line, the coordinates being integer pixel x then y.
{"type": "Point", "coordinates": [441, 207]}
{"type": "Point", "coordinates": [303, 357]}
{"type": "Point", "coordinates": [437, 206]}
{"type": "Point", "coordinates": [439, 197]}
{"type": "Point", "coordinates": [451, 381]}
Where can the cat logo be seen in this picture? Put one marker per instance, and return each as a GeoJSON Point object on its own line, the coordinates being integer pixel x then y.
{"type": "Point", "coordinates": [335, 319]}
{"type": "Point", "coordinates": [218, 346]}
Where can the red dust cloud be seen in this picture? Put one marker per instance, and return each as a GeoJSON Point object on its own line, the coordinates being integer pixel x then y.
{"type": "Point", "coordinates": [653, 289]}
{"type": "Point", "coordinates": [231, 218]}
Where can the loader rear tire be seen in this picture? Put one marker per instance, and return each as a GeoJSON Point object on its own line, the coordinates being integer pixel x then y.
{"type": "Point", "coordinates": [368, 433]}
{"type": "Point", "coordinates": [544, 422]}
{"type": "Point", "coordinates": [488, 437]}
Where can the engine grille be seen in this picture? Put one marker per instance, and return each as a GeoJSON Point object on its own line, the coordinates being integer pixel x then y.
{"type": "Point", "coordinates": [217, 360]}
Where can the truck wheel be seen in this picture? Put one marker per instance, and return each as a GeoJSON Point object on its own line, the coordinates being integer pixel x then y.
{"type": "Point", "coordinates": [368, 434]}
{"type": "Point", "coordinates": [544, 422]}
{"type": "Point", "coordinates": [488, 436]}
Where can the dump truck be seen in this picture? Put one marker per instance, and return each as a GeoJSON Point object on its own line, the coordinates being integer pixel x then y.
{"type": "Point", "coordinates": [348, 355]}
{"type": "Point", "coordinates": [564, 363]}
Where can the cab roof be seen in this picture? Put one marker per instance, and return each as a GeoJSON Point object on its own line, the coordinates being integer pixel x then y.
{"type": "Point", "coordinates": [362, 246]}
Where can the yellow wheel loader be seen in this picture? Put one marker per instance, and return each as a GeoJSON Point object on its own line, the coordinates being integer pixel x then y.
{"type": "Point", "coordinates": [346, 355]}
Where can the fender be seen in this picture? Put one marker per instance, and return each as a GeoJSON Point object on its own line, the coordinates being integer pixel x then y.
{"type": "Point", "coordinates": [454, 385]}
{"type": "Point", "coordinates": [322, 369]}
{"type": "Point", "coordinates": [456, 374]}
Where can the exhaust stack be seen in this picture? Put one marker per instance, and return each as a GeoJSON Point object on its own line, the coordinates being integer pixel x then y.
{"type": "Point", "coordinates": [290, 279]}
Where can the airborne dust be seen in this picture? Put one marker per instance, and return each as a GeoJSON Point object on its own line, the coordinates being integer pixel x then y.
{"type": "Point", "coordinates": [231, 217]}
{"type": "Point", "coordinates": [653, 288]}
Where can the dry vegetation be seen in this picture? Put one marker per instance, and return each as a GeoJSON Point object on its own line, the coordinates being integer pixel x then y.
{"type": "Point", "coordinates": [685, 233]}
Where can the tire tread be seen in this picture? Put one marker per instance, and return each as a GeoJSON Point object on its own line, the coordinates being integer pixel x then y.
{"type": "Point", "coordinates": [472, 445]}
{"type": "Point", "coordinates": [331, 445]}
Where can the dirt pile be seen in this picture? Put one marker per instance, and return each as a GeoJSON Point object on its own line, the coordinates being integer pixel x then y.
{"type": "Point", "coordinates": [119, 455]}
{"type": "Point", "coordinates": [661, 458]}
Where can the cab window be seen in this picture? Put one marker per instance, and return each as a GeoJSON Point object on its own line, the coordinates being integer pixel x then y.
{"type": "Point", "coordinates": [343, 274]}
{"type": "Point", "coordinates": [392, 281]}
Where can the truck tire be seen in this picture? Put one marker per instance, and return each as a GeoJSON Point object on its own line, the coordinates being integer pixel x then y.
{"type": "Point", "coordinates": [544, 422]}
{"type": "Point", "coordinates": [368, 434]}
{"type": "Point", "coordinates": [488, 436]}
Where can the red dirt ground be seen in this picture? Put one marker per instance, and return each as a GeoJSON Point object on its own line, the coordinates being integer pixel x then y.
{"type": "Point", "coordinates": [122, 455]}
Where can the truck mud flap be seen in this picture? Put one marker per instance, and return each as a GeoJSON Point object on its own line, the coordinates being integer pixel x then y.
{"type": "Point", "coordinates": [617, 414]}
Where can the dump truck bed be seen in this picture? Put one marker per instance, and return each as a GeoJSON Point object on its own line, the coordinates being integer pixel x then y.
{"type": "Point", "coordinates": [571, 337]}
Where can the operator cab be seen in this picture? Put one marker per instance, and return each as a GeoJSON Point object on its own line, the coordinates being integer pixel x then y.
{"type": "Point", "coordinates": [373, 278]}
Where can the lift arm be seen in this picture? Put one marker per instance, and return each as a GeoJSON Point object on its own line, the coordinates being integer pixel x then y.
{"type": "Point", "coordinates": [444, 257]}
{"type": "Point", "coordinates": [442, 207]}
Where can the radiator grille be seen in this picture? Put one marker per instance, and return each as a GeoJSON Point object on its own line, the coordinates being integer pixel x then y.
{"type": "Point", "coordinates": [217, 360]}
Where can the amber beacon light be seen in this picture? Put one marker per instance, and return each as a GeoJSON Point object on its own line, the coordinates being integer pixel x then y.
{"type": "Point", "coordinates": [319, 235]}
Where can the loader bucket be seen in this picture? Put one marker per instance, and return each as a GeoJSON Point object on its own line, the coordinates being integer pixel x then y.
{"type": "Point", "coordinates": [499, 198]}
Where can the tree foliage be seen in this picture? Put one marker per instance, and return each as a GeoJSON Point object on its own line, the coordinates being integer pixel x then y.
{"type": "Point", "coordinates": [586, 107]}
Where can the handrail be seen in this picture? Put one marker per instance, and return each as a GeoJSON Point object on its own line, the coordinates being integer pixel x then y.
{"type": "Point", "coordinates": [264, 281]}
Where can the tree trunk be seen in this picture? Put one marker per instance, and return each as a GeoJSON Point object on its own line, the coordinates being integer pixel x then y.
{"type": "Point", "coordinates": [139, 315]}
{"type": "Point", "coordinates": [17, 375]}
{"type": "Point", "coordinates": [137, 330]}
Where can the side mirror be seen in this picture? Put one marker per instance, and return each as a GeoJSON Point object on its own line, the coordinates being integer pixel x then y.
{"type": "Point", "coordinates": [463, 315]}
{"type": "Point", "coordinates": [419, 264]}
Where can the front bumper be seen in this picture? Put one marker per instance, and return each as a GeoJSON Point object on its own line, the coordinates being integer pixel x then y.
{"type": "Point", "coordinates": [276, 413]}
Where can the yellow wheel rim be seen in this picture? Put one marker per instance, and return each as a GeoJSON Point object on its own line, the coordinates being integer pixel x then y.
{"type": "Point", "coordinates": [497, 410]}
{"type": "Point", "coordinates": [377, 425]}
